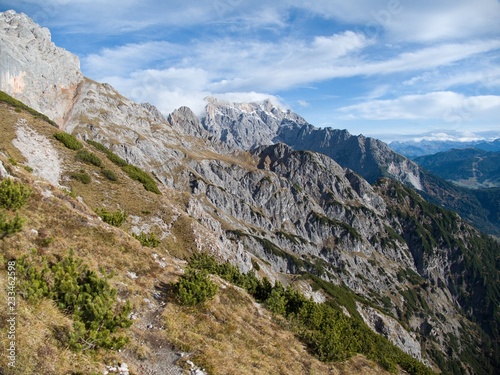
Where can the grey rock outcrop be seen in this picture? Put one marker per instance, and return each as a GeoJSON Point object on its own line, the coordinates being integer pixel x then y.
{"type": "Point", "coordinates": [391, 329]}
{"type": "Point", "coordinates": [246, 125]}
{"type": "Point", "coordinates": [39, 74]}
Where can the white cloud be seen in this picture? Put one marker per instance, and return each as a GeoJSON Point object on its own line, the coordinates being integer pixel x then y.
{"type": "Point", "coordinates": [485, 78]}
{"type": "Point", "coordinates": [216, 67]}
{"type": "Point", "coordinates": [235, 65]}
{"type": "Point", "coordinates": [408, 20]}
{"type": "Point", "coordinates": [429, 57]}
{"type": "Point", "coordinates": [397, 20]}
{"type": "Point", "coordinates": [445, 20]}
{"type": "Point", "coordinates": [445, 106]}
{"type": "Point", "coordinates": [168, 89]}
{"type": "Point", "coordinates": [126, 58]}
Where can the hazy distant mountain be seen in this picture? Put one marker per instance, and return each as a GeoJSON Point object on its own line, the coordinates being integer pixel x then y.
{"type": "Point", "coordinates": [413, 149]}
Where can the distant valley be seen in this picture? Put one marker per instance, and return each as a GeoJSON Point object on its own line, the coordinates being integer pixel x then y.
{"type": "Point", "coordinates": [471, 167]}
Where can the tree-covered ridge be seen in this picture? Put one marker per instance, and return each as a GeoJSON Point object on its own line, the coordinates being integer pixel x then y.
{"type": "Point", "coordinates": [472, 259]}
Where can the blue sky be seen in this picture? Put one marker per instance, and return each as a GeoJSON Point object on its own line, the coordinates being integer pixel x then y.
{"type": "Point", "coordinates": [392, 69]}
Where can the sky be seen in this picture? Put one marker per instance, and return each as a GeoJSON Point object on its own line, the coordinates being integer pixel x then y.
{"type": "Point", "coordinates": [391, 69]}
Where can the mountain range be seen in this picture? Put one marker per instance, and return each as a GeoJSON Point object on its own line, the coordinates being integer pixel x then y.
{"type": "Point", "coordinates": [342, 219]}
{"type": "Point", "coordinates": [414, 149]}
{"type": "Point", "coordinates": [248, 125]}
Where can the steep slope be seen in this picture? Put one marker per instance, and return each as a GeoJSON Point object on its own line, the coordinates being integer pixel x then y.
{"type": "Point", "coordinates": [38, 68]}
{"type": "Point", "coordinates": [279, 212]}
{"type": "Point", "coordinates": [60, 216]}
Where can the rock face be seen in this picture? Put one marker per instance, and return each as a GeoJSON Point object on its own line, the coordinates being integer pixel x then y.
{"type": "Point", "coordinates": [286, 209]}
{"type": "Point", "coordinates": [39, 74]}
{"type": "Point", "coordinates": [249, 125]}
{"type": "Point", "coordinates": [391, 329]}
{"type": "Point", "coordinates": [246, 125]}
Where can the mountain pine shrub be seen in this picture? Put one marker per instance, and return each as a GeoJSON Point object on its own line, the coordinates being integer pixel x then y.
{"type": "Point", "coordinates": [68, 140]}
{"type": "Point", "coordinates": [81, 176]}
{"type": "Point", "coordinates": [109, 174]}
{"type": "Point", "coordinates": [143, 177]}
{"type": "Point", "coordinates": [81, 293]}
{"type": "Point", "coordinates": [88, 157]}
{"type": "Point", "coordinates": [13, 194]}
{"type": "Point", "coordinates": [195, 287]}
{"type": "Point", "coordinates": [110, 155]}
{"type": "Point", "coordinates": [148, 240]}
{"type": "Point", "coordinates": [10, 227]}
{"type": "Point", "coordinates": [116, 218]}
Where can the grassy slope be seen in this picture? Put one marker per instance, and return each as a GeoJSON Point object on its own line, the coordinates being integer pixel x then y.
{"type": "Point", "coordinates": [56, 222]}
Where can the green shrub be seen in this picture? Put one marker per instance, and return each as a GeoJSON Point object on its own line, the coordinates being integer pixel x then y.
{"type": "Point", "coordinates": [195, 287]}
{"type": "Point", "coordinates": [81, 293]}
{"type": "Point", "coordinates": [89, 157]}
{"type": "Point", "coordinates": [276, 302]}
{"type": "Point", "coordinates": [68, 140]}
{"type": "Point", "coordinates": [83, 177]}
{"type": "Point", "coordinates": [10, 227]}
{"type": "Point", "coordinates": [13, 195]}
{"type": "Point", "coordinates": [110, 155]}
{"type": "Point", "coordinates": [116, 218]}
{"type": "Point", "coordinates": [110, 175]}
{"type": "Point", "coordinates": [143, 177]}
{"type": "Point", "coordinates": [148, 240]}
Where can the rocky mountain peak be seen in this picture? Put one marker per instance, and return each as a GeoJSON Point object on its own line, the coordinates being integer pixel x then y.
{"type": "Point", "coordinates": [246, 125]}
{"type": "Point", "coordinates": [34, 70]}
{"type": "Point", "coordinates": [185, 120]}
